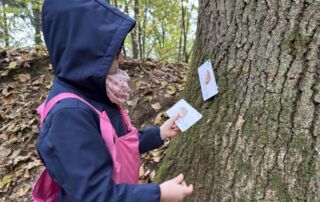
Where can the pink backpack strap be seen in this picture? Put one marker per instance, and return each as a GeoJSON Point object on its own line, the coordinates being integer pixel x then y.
{"type": "Point", "coordinates": [106, 132]}
{"type": "Point", "coordinates": [47, 107]}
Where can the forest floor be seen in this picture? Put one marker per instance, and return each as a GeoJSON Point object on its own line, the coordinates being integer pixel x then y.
{"type": "Point", "coordinates": [25, 79]}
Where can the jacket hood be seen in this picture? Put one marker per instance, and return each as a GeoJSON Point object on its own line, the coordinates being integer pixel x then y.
{"type": "Point", "coordinates": [83, 37]}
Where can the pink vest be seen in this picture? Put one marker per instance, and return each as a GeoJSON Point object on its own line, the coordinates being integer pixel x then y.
{"type": "Point", "coordinates": [124, 151]}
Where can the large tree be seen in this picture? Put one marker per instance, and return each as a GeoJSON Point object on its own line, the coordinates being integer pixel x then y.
{"type": "Point", "coordinates": [259, 137]}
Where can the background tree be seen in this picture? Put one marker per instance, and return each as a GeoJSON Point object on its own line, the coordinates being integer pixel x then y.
{"type": "Point", "coordinates": [21, 17]}
{"type": "Point", "coordinates": [35, 19]}
{"type": "Point", "coordinates": [259, 137]}
{"type": "Point", "coordinates": [4, 24]}
{"type": "Point", "coordinates": [159, 27]}
{"type": "Point", "coordinates": [134, 37]}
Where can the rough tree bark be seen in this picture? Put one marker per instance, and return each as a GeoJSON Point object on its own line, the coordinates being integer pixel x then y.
{"type": "Point", "coordinates": [259, 137]}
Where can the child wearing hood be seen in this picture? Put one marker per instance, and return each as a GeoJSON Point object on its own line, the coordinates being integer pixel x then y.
{"type": "Point", "coordinates": [87, 143]}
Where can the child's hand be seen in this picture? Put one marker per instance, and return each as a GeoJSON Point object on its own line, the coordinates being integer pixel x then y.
{"type": "Point", "coordinates": [175, 190]}
{"type": "Point", "coordinates": [169, 128]}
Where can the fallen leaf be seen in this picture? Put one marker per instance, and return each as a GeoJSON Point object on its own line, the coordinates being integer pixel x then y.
{"type": "Point", "coordinates": [13, 128]}
{"type": "Point", "coordinates": [133, 103]}
{"type": "Point", "coordinates": [147, 172]}
{"type": "Point", "coordinates": [23, 190]}
{"type": "Point", "coordinates": [24, 127]}
{"type": "Point", "coordinates": [5, 180]}
{"type": "Point", "coordinates": [5, 127]}
{"type": "Point", "coordinates": [5, 73]}
{"type": "Point", "coordinates": [12, 65]}
{"type": "Point", "coordinates": [152, 174]}
{"type": "Point", "coordinates": [24, 77]}
{"type": "Point", "coordinates": [148, 98]}
{"type": "Point", "coordinates": [49, 85]}
{"type": "Point", "coordinates": [141, 171]}
{"type": "Point", "coordinates": [4, 152]}
{"type": "Point", "coordinates": [159, 119]}
{"type": "Point", "coordinates": [157, 159]}
{"type": "Point", "coordinates": [137, 83]}
{"type": "Point", "coordinates": [15, 154]}
{"type": "Point", "coordinates": [20, 158]}
{"type": "Point", "coordinates": [172, 90]}
{"type": "Point", "coordinates": [5, 91]}
{"type": "Point", "coordinates": [39, 81]}
{"type": "Point", "coordinates": [156, 106]}
{"type": "Point", "coordinates": [164, 84]}
{"type": "Point", "coordinates": [33, 164]}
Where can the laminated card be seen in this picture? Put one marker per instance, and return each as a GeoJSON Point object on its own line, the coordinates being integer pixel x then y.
{"type": "Point", "coordinates": [207, 80]}
{"type": "Point", "coordinates": [188, 115]}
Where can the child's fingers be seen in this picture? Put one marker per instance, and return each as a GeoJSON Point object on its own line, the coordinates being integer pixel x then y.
{"type": "Point", "coordinates": [177, 132]}
{"type": "Point", "coordinates": [178, 179]}
{"type": "Point", "coordinates": [189, 189]}
{"type": "Point", "coordinates": [175, 127]}
{"type": "Point", "coordinates": [171, 133]}
{"type": "Point", "coordinates": [174, 118]}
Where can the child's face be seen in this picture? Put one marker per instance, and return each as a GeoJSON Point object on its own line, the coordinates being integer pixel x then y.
{"type": "Point", "coordinates": [115, 64]}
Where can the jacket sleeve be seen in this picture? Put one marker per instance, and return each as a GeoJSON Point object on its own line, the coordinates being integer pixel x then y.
{"type": "Point", "coordinates": [76, 157]}
{"type": "Point", "coordinates": [149, 139]}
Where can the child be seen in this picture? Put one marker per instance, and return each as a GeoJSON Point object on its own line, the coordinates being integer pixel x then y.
{"type": "Point", "coordinates": [87, 143]}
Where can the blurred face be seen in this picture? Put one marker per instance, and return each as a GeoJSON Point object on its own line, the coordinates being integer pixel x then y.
{"type": "Point", "coordinates": [115, 64]}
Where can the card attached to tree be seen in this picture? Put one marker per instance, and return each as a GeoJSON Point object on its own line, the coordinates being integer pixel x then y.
{"type": "Point", "coordinates": [208, 83]}
{"type": "Point", "coordinates": [188, 115]}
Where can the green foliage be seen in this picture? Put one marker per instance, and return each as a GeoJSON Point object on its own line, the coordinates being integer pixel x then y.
{"type": "Point", "coordinates": [19, 19]}
{"type": "Point", "coordinates": [159, 25]}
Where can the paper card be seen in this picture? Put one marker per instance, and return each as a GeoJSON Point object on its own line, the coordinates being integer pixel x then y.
{"type": "Point", "coordinates": [188, 115]}
{"type": "Point", "coordinates": [207, 80]}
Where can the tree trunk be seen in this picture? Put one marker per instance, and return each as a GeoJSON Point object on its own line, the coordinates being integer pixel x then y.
{"type": "Point", "coordinates": [181, 32]}
{"type": "Point", "coordinates": [163, 32]}
{"type": "Point", "coordinates": [116, 3]}
{"type": "Point", "coordinates": [5, 25]}
{"type": "Point", "coordinates": [138, 26]}
{"type": "Point", "coordinates": [188, 18]}
{"type": "Point", "coordinates": [36, 21]}
{"type": "Point", "coordinates": [126, 11]}
{"type": "Point", "coordinates": [183, 20]}
{"type": "Point", "coordinates": [144, 26]}
{"type": "Point", "coordinates": [140, 40]}
{"type": "Point", "coordinates": [259, 137]}
{"type": "Point", "coordinates": [134, 39]}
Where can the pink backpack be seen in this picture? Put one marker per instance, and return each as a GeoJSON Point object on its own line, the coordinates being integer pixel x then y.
{"type": "Point", "coordinates": [124, 151]}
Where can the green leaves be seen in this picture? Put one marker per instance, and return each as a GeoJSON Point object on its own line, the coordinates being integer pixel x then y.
{"type": "Point", "coordinates": [165, 30]}
{"type": "Point", "coordinates": [19, 18]}
{"type": "Point", "coordinates": [161, 27]}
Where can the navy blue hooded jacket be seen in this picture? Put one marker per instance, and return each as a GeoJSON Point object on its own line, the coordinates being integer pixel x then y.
{"type": "Point", "coordinates": [83, 37]}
